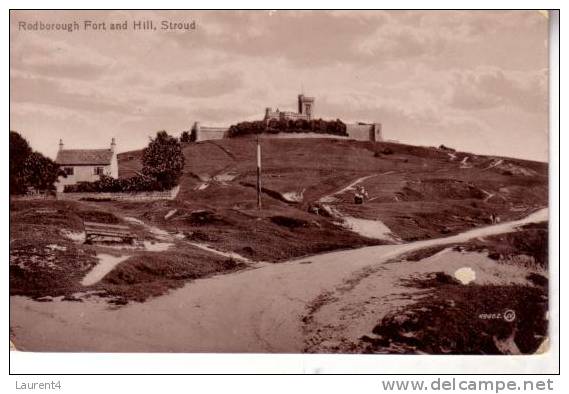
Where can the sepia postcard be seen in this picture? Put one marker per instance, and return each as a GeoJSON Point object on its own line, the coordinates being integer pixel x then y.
{"type": "Point", "coordinates": [345, 182]}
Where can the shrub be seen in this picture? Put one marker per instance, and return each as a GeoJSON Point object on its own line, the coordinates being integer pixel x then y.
{"type": "Point", "coordinates": [274, 126]}
{"type": "Point", "coordinates": [289, 222]}
{"type": "Point", "coordinates": [449, 319]}
{"type": "Point", "coordinates": [106, 184]}
{"type": "Point", "coordinates": [443, 147]}
{"type": "Point", "coordinates": [185, 137]}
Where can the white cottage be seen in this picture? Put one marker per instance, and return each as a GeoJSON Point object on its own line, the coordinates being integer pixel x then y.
{"type": "Point", "coordinates": [86, 165]}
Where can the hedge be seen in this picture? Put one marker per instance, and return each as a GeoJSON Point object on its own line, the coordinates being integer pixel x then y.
{"type": "Point", "coordinates": [274, 126]}
{"type": "Point", "coordinates": [108, 184]}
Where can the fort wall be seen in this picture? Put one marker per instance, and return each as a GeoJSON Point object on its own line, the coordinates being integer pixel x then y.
{"type": "Point", "coordinates": [358, 131]}
{"type": "Point", "coordinates": [206, 133]}
{"type": "Point", "coordinates": [364, 131]}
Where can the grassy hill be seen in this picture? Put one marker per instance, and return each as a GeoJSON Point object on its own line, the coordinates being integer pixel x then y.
{"type": "Point", "coordinates": [418, 192]}
{"type": "Point", "coordinates": [308, 208]}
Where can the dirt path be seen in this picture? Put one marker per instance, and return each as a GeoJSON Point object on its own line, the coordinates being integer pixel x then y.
{"type": "Point", "coordinates": [330, 197]}
{"type": "Point", "coordinates": [488, 195]}
{"type": "Point", "coordinates": [256, 310]}
{"type": "Point", "coordinates": [224, 149]}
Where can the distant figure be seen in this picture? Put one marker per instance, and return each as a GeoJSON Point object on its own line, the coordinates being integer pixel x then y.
{"type": "Point", "coordinates": [360, 195]}
{"type": "Point", "coordinates": [361, 190]}
{"type": "Point", "coordinates": [494, 218]}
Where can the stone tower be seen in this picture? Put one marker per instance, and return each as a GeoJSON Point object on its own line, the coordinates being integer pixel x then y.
{"type": "Point", "coordinates": [306, 105]}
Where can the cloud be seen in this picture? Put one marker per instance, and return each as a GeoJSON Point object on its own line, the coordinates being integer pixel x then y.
{"type": "Point", "coordinates": [72, 71]}
{"type": "Point", "coordinates": [485, 88]}
{"type": "Point", "coordinates": [205, 86]}
{"type": "Point", "coordinates": [302, 38]}
{"type": "Point", "coordinates": [395, 41]}
{"type": "Point", "coordinates": [48, 92]}
{"type": "Point", "coordinates": [429, 76]}
{"type": "Point", "coordinates": [37, 55]}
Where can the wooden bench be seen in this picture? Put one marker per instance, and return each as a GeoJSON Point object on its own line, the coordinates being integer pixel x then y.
{"type": "Point", "coordinates": [105, 232]}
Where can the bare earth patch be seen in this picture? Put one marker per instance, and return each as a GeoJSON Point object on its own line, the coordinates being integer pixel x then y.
{"type": "Point", "coordinates": [438, 300]}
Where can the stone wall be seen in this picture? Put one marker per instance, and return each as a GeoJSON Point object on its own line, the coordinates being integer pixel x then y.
{"type": "Point", "coordinates": [365, 131]}
{"type": "Point", "coordinates": [206, 133]}
{"type": "Point", "coordinates": [33, 197]}
{"type": "Point", "coordinates": [356, 131]}
{"type": "Point", "coordinates": [123, 196]}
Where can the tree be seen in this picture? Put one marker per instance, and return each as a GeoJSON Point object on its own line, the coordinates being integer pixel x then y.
{"type": "Point", "coordinates": [29, 168]}
{"type": "Point", "coordinates": [163, 160]}
{"type": "Point", "coordinates": [185, 137]}
{"type": "Point", "coordinates": [41, 171]}
{"type": "Point", "coordinates": [19, 152]}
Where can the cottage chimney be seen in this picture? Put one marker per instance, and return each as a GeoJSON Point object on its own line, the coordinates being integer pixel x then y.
{"type": "Point", "coordinates": [60, 144]}
{"type": "Point", "coordinates": [113, 144]}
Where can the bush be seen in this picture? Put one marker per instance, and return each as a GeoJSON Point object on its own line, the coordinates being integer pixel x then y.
{"type": "Point", "coordinates": [289, 222]}
{"type": "Point", "coordinates": [274, 126]}
{"type": "Point", "coordinates": [449, 319]}
{"type": "Point", "coordinates": [185, 137]}
{"type": "Point", "coordinates": [106, 184]}
{"type": "Point", "coordinates": [443, 147]}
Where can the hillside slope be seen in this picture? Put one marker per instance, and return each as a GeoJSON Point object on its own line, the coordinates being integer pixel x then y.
{"type": "Point", "coordinates": [213, 227]}
{"type": "Point", "coordinates": [417, 192]}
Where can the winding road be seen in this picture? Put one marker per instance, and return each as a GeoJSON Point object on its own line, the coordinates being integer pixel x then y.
{"type": "Point", "coordinates": [256, 310]}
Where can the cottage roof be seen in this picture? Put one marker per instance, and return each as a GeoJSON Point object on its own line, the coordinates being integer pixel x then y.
{"type": "Point", "coordinates": [84, 157]}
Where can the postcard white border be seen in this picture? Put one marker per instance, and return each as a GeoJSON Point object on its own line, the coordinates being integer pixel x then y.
{"type": "Point", "coordinates": [88, 363]}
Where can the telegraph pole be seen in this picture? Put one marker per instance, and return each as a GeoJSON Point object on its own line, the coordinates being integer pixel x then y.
{"type": "Point", "coordinates": [258, 173]}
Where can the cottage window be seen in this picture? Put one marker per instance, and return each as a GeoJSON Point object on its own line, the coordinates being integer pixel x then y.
{"type": "Point", "coordinates": [68, 170]}
{"type": "Point", "coordinates": [98, 170]}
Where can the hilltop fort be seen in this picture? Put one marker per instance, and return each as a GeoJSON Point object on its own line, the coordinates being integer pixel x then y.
{"type": "Point", "coordinates": [360, 131]}
{"type": "Point", "coordinates": [305, 110]}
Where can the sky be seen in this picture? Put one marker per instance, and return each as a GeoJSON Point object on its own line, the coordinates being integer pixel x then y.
{"type": "Point", "coordinates": [473, 80]}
